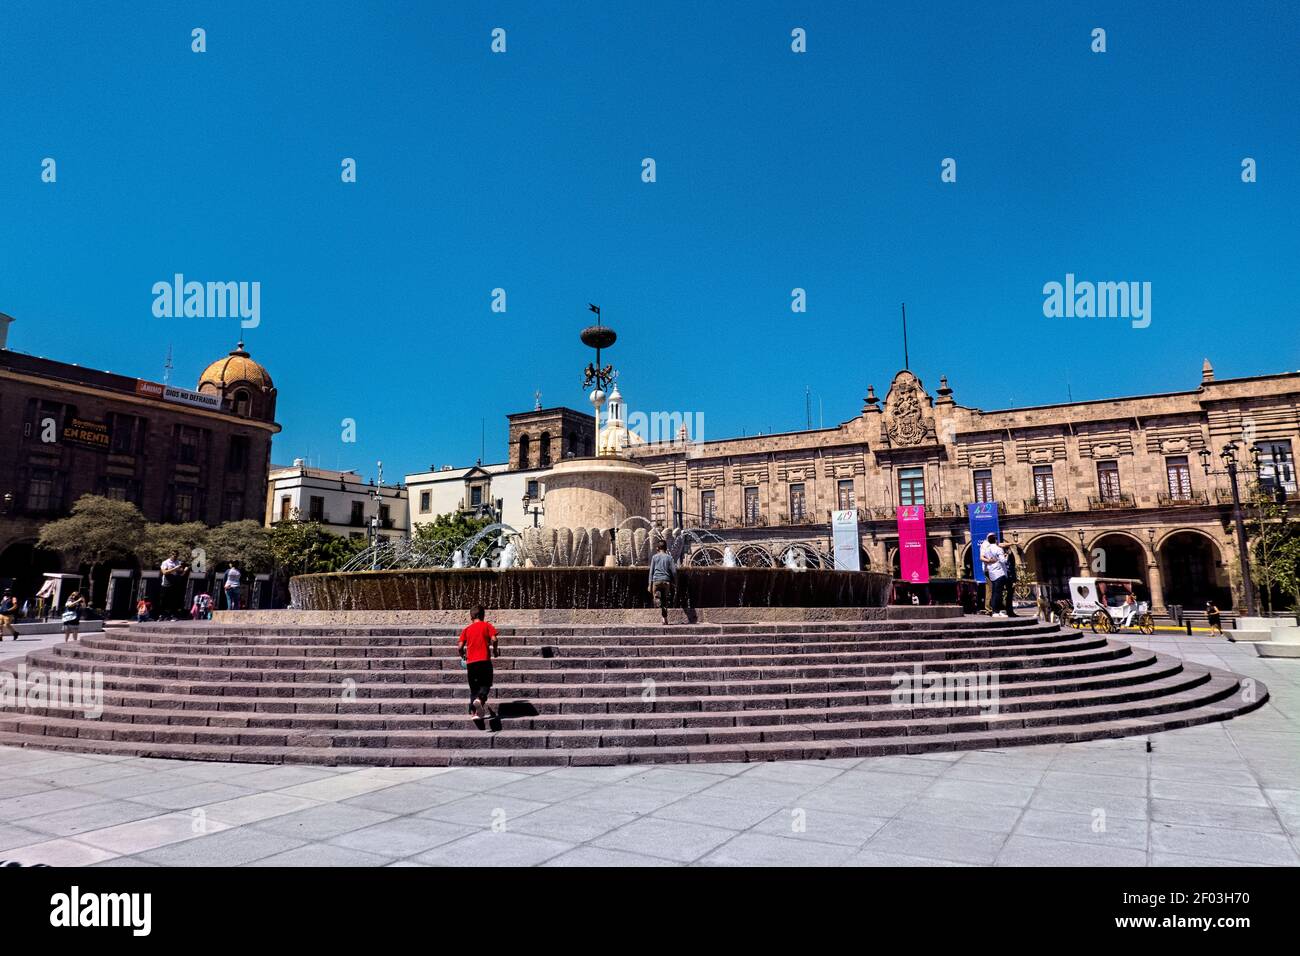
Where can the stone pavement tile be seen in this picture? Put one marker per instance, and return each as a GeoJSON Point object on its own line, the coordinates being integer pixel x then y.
{"type": "Point", "coordinates": [903, 764]}
{"type": "Point", "coordinates": [58, 853]}
{"type": "Point", "coordinates": [137, 785]}
{"type": "Point", "coordinates": [761, 849]}
{"type": "Point", "coordinates": [543, 788]}
{"type": "Point", "coordinates": [977, 792]}
{"type": "Point", "coordinates": [1094, 783]}
{"type": "Point", "coordinates": [597, 776]}
{"type": "Point", "coordinates": [475, 779]}
{"type": "Point", "coordinates": [1208, 793]}
{"type": "Point", "coordinates": [627, 798]}
{"type": "Point", "coordinates": [149, 834]}
{"type": "Point", "coordinates": [858, 801]}
{"type": "Point", "coordinates": [489, 849]}
{"type": "Point", "coordinates": [337, 787]}
{"type": "Point", "coordinates": [1113, 765]}
{"type": "Point", "coordinates": [674, 780]}
{"type": "Point", "coordinates": [570, 824]}
{"type": "Point", "coordinates": [404, 836]}
{"type": "Point", "coordinates": [597, 856]}
{"type": "Point", "coordinates": [873, 782]}
{"type": "Point", "coordinates": [1186, 813]}
{"type": "Point", "coordinates": [915, 838]}
{"type": "Point", "coordinates": [810, 774]}
{"type": "Point", "coordinates": [481, 811]}
{"type": "Point", "coordinates": [321, 855]}
{"type": "Point", "coordinates": [670, 839]}
{"type": "Point", "coordinates": [1248, 846]}
{"type": "Point", "coordinates": [256, 807]}
{"type": "Point", "coordinates": [1207, 773]}
{"type": "Point", "coordinates": [1015, 774]}
{"type": "Point", "coordinates": [201, 794]}
{"type": "Point", "coordinates": [123, 861]}
{"type": "Point", "coordinates": [966, 814]}
{"type": "Point", "coordinates": [876, 858]}
{"type": "Point", "coordinates": [49, 764]}
{"type": "Point", "coordinates": [19, 786]}
{"type": "Point", "coordinates": [1084, 801]}
{"type": "Point", "coordinates": [1037, 851]}
{"type": "Point", "coordinates": [821, 826]}
{"type": "Point", "coordinates": [11, 836]}
{"type": "Point", "coordinates": [233, 847]}
{"type": "Point", "coordinates": [398, 775]}
{"type": "Point", "coordinates": [404, 798]}
{"type": "Point", "coordinates": [729, 814]}
{"type": "Point", "coordinates": [94, 816]}
{"type": "Point", "coordinates": [277, 778]}
{"type": "Point", "coordinates": [1084, 828]}
{"type": "Point", "coordinates": [41, 802]}
{"type": "Point", "coordinates": [411, 864]}
{"type": "Point", "coordinates": [80, 776]}
{"type": "Point", "coordinates": [322, 822]}
{"type": "Point", "coordinates": [201, 769]}
{"type": "Point", "coordinates": [758, 790]}
{"type": "Point", "coordinates": [1039, 756]}
{"type": "Point", "coordinates": [1160, 858]}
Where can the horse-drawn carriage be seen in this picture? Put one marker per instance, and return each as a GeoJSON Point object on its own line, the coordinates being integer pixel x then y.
{"type": "Point", "coordinates": [1101, 603]}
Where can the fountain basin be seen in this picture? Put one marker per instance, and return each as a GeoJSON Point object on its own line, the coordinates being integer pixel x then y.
{"type": "Point", "coordinates": [452, 589]}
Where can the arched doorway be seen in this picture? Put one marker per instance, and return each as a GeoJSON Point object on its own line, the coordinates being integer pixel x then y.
{"type": "Point", "coordinates": [1051, 560]}
{"type": "Point", "coordinates": [896, 570]}
{"type": "Point", "coordinates": [22, 568]}
{"type": "Point", "coordinates": [1191, 569]}
{"type": "Point", "coordinates": [1118, 555]}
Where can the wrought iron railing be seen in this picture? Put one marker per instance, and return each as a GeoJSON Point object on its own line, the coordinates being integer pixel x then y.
{"type": "Point", "coordinates": [1041, 505]}
{"type": "Point", "coordinates": [1110, 502]}
{"type": "Point", "coordinates": [1189, 499]}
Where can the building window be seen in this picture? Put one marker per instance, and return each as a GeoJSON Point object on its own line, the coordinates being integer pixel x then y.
{"type": "Point", "coordinates": [1276, 466]}
{"type": "Point", "coordinates": [426, 502]}
{"type": "Point", "coordinates": [524, 451]}
{"type": "Point", "coordinates": [384, 519]}
{"type": "Point", "coordinates": [658, 509]}
{"type": "Point", "coordinates": [911, 486]}
{"type": "Point", "coordinates": [358, 516]}
{"type": "Point", "coordinates": [476, 496]}
{"type": "Point", "coordinates": [122, 488]}
{"type": "Point", "coordinates": [243, 404]}
{"type": "Point", "coordinates": [183, 508]}
{"type": "Point", "coordinates": [127, 431]}
{"type": "Point", "coordinates": [798, 503]}
{"type": "Point", "coordinates": [544, 451]}
{"type": "Point", "coordinates": [846, 497]}
{"type": "Point", "coordinates": [752, 512]}
{"type": "Point", "coordinates": [237, 457]}
{"type": "Point", "coordinates": [572, 448]}
{"type": "Point", "coordinates": [1179, 477]}
{"type": "Point", "coordinates": [41, 490]}
{"type": "Point", "coordinates": [708, 508]}
{"type": "Point", "coordinates": [984, 486]}
{"type": "Point", "coordinates": [1044, 485]}
{"type": "Point", "coordinates": [234, 505]}
{"type": "Point", "coordinates": [316, 508]}
{"type": "Point", "coordinates": [533, 489]}
{"type": "Point", "coordinates": [187, 444]}
{"type": "Point", "coordinates": [1108, 480]}
{"type": "Point", "coordinates": [286, 507]}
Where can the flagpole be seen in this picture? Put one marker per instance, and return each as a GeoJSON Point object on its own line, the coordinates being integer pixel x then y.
{"type": "Point", "coordinates": [905, 362]}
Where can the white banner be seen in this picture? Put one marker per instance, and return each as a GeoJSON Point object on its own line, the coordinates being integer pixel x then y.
{"type": "Point", "coordinates": [845, 534]}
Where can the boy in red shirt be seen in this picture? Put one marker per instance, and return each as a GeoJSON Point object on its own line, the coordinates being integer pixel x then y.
{"type": "Point", "coordinates": [478, 645]}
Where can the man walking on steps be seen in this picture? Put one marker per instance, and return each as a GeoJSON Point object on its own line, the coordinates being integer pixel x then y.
{"type": "Point", "coordinates": [478, 645]}
{"type": "Point", "coordinates": [663, 577]}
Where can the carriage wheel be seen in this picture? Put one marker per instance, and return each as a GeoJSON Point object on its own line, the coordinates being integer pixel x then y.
{"type": "Point", "coordinates": [1146, 624]}
{"type": "Point", "coordinates": [1102, 623]}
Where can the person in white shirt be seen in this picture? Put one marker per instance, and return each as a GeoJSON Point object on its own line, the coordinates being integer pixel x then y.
{"type": "Point", "coordinates": [231, 588]}
{"type": "Point", "coordinates": [994, 560]}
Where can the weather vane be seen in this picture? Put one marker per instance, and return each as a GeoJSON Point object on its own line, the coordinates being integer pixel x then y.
{"type": "Point", "coordinates": [598, 337]}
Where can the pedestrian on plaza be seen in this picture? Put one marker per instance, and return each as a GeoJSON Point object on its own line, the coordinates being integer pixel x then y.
{"type": "Point", "coordinates": [45, 599]}
{"type": "Point", "coordinates": [1010, 565]}
{"type": "Point", "coordinates": [1214, 618]}
{"type": "Point", "coordinates": [995, 570]}
{"type": "Point", "coordinates": [663, 578]}
{"type": "Point", "coordinates": [173, 588]}
{"type": "Point", "coordinates": [8, 608]}
{"type": "Point", "coordinates": [231, 587]}
{"type": "Point", "coordinates": [72, 617]}
{"type": "Point", "coordinates": [202, 607]}
{"type": "Point", "coordinates": [477, 646]}
{"type": "Point", "coordinates": [143, 608]}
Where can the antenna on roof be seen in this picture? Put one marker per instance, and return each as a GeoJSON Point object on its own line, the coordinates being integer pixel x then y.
{"type": "Point", "coordinates": [905, 362]}
{"type": "Point", "coordinates": [807, 407]}
{"type": "Point", "coordinates": [167, 367]}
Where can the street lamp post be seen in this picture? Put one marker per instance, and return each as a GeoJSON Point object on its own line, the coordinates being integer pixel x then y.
{"type": "Point", "coordinates": [535, 511]}
{"type": "Point", "coordinates": [378, 495]}
{"type": "Point", "coordinates": [1229, 456]}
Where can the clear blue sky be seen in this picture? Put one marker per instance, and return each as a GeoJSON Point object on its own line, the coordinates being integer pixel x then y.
{"type": "Point", "coordinates": [775, 171]}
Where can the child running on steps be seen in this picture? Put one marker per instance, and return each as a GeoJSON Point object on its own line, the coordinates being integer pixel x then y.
{"type": "Point", "coordinates": [478, 645]}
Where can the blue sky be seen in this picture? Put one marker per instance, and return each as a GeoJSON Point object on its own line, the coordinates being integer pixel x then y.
{"type": "Point", "coordinates": [775, 170]}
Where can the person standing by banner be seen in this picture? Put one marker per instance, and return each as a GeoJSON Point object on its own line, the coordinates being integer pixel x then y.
{"type": "Point", "coordinates": [994, 560]}
{"type": "Point", "coordinates": [1010, 565]}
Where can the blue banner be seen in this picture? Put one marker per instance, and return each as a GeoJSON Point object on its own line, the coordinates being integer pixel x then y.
{"type": "Point", "coordinates": [983, 520]}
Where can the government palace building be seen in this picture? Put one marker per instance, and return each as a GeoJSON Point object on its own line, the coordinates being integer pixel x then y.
{"type": "Point", "coordinates": [1115, 487]}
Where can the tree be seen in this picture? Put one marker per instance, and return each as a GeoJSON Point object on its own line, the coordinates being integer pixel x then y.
{"type": "Point", "coordinates": [188, 540]}
{"type": "Point", "coordinates": [305, 547]}
{"type": "Point", "coordinates": [97, 530]}
{"type": "Point", "coordinates": [247, 543]}
{"type": "Point", "coordinates": [447, 532]}
{"type": "Point", "coordinates": [1275, 551]}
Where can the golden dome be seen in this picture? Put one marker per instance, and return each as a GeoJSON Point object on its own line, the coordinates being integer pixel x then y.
{"type": "Point", "coordinates": [235, 368]}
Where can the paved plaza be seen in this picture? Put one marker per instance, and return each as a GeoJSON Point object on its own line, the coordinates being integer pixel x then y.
{"type": "Point", "coordinates": [1225, 794]}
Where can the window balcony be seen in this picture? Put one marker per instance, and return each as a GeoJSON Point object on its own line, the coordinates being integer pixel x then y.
{"type": "Point", "coordinates": [1046, 505]}
{"type": "Point", "coordinates": [1110, 502]}
{"type": "Point", "coordinates": [753, 521]}
{"type": "Point", "coordinates": [1189, 500]}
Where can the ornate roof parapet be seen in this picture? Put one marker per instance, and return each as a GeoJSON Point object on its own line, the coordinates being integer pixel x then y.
{"type": "Point", "coordinates": [871, 404]}
{"type": "Point", "coordinates": [909, 419]}
{"type": "Point", "coordinates": [944, 392]}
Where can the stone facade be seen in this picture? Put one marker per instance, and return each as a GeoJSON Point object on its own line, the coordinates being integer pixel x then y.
{"type": "Point", "coordinates": [544, 436]}
{"type": "Point", "coordinates": [1112, 487]}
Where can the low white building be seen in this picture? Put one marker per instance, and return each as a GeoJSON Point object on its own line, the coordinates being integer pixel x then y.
{"type": "Point", "coordinates": [494, 492]}
{"type": "Point", "coordinates": [340, 500]}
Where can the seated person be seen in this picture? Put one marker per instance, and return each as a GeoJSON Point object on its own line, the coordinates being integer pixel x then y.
{"type": "Point", "coordinates": [1127, 611]}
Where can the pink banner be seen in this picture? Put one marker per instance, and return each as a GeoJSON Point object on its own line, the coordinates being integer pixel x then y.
{"type": "Point", "coordinates": [913, 553]}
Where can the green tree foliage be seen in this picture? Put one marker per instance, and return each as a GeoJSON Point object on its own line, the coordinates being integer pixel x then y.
{"type": "Point", "coordinates": [305, 547]}
{"type": "Point", "coordinates": [247, 543]}
{"type": "Point", "coordinates": [1275, 548]}
{"type": "Point", "coordinates": [188, 540]}
{"type": "Point", "coordinates": [447, 532]}
{"type": "Point", "coordinates": [97, 530]}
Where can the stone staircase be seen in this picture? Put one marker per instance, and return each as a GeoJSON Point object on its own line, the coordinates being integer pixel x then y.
{"type": "Point", "coordinates": [582, 695]}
